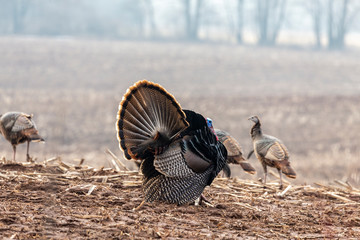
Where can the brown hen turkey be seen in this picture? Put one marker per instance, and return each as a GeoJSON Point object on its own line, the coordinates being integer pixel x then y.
{"type": "Point", "coordinates": [18, 127]}
{"type": "Point", "coordinates": [270, 151]}
{"type": "Point", "coordinates": [234, 153]}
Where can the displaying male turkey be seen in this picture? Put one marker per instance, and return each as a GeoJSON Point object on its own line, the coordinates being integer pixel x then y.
{"type": "Point", "coordinates": [18, 127]}
{"type": "Point", "coordinates": [180, 154]}
{"type": "Point", "coordinates": [270, 151]}
{"type": "Point", "coordinates": [234, 153]}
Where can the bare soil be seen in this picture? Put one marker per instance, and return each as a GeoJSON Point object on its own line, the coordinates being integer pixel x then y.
{"type": "Point", "coordinates": [309, 99]}
{"type": "Point", "coordinates": [60, 201]}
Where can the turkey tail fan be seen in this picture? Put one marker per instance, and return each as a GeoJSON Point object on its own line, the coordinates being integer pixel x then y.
{"type": "Point", "coordinates": [247, 167]}
{"type": "Point", "coordinates": [33, 135]}
{"type": "Point", "coordinates": [149, 118]}
{"type": "Point", "coordinates": [36, 138]}
{"type": "Point", "coordinates": [287, 169]}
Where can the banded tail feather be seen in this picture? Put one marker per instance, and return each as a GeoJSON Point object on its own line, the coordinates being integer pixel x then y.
{"type": "Point", "coordinates": [287, 169]}
{"type": "Point", "coordinates": [149, 118]}
{"type": "Point", "coordinates": [247, 167]}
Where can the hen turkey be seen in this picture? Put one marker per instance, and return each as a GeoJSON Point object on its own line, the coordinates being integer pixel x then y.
{"type": "Point", "coordinates": [18, 127]}
{"type": "Point", "coordinates": [270, 151]}
{"type": "Point", "coordinates": [180, 154]}
{"type": "Point", "coordinates": [234, 153]}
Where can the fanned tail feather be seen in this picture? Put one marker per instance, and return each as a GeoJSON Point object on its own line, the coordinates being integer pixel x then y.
{"type": "Point", "coordinates": [33, 135]}
{"type": "Point", "coordinates": [287, 169]}
{"type": "Point", "coordinates": [148, 118]}
{"type": "Point", "coordinates": [247, 167]}
{"type": "Point", "coordinates": [37, 138]}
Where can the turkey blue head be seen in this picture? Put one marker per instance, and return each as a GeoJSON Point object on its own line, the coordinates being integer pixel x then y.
{"type": "Point", "coordinates": [210, 125]}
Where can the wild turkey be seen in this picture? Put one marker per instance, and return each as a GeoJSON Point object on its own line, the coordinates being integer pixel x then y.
{"type": "Point", "coordinates": [18, 127]}
{"type": "Point", "coordinates": [270, 151]}
{"type": "Point", "coordinates": [234, 153]}
{"type": "Point", "coordinates": [180, 154]}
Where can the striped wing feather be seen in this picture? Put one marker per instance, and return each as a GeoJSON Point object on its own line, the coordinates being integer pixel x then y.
{"type": "Point", "coordinates": [277, 152]}
{"type": "Point", "coordinates": [232, 146]}
{"type": "Point", "coordinates": [234, 151]}
{"type": "Point", "coordinates": [23, 122]}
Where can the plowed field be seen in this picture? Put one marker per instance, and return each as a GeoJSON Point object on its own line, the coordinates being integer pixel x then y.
{"type": "Point", "coordinates": [74, 202]}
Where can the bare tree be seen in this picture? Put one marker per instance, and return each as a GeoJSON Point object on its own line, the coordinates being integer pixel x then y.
{"type": "Point", "coordinates": [235, 19]}
{"type": "Point", "coordinates": [339, 20]}
{"type": "Point", "coordinates": [6, 25]}
{"type": "Point", "coordinates": [132, 19]}
{"type": "Point", "coordinates": [316, 11]}
{"type": "Point", "coordinates": [240, 21]}
{"type": "Point", "coordinates": [150, 17]}
{"type": "Point", "coordinates": [192, 13]}
{"type": "Point", "coordinates": [19, 10]}
{"type": "Point", "coordinates": [270, 16]}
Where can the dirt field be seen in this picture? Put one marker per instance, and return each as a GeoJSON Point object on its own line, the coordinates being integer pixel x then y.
{"type": "Point", "coordinates": [309, 99]}
{"type": "Point", "coordinates": [66, 202]}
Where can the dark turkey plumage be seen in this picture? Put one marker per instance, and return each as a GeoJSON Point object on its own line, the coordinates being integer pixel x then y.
{"type": "Point", "coordinates": [18, 127]}
{"type": "Point", "coordinates": [180, 154]}
{"type": "Point", "coordinates": [270, 151]}
{"type": "Point", "coordinates": [234, 152]}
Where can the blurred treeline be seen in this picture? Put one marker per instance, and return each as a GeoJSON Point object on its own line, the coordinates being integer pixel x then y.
{"type": "Point", "coordinates": [328, 22]}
